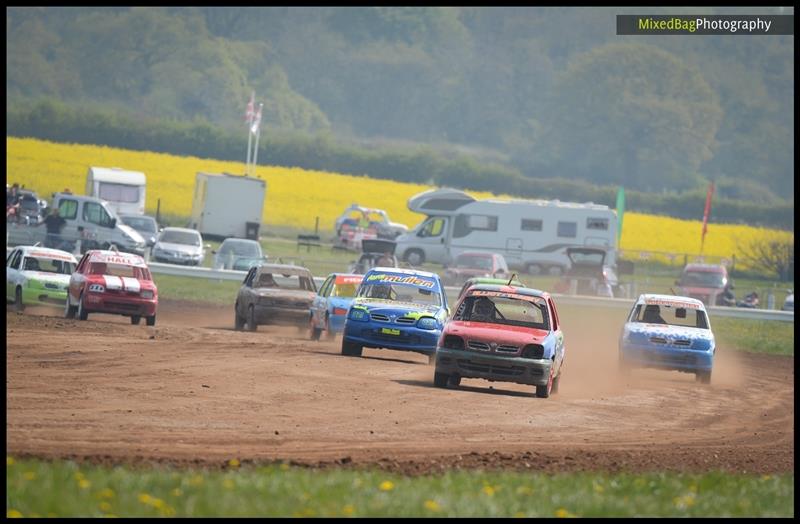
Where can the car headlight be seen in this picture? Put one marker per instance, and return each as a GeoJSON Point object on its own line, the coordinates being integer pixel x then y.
{"type": "Point", "coordinates": [359, 315]}
{"type": "Point", "coordinates": [703, 345]}
{"type": "Point", "coordinates": [147, 293]}
{"type": "Point", "coordinates": [427, 323]}
{"type": "Point", "coordinates": [97, 288]}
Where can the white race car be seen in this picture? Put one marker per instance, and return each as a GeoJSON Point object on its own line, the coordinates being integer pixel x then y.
{"type": "Point", "coordinates": [38, 276]}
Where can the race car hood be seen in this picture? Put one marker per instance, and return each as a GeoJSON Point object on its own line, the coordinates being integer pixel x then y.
{"type": "Point", "coordinates": [642, 332]}
{"type": "Point", "coordinates": [400, 309]}
{"type": "Point", "coordinates": [46, 278]}
{"type": "Point", "coordinates": [115, 283]}
{"type": "Point", "coordinates": [516, 335]}
{"type": "Point", "coordinates": [287, 297]}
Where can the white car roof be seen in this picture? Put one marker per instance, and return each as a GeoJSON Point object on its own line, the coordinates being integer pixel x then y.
{"type": "Point", "coordinates": [113, 257]}
{"type": "Point", "coordinates": [46, 252]}
{"type": "Point", "coordinates": [670, 300]}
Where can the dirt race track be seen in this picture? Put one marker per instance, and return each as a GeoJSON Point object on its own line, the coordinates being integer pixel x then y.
{"type": "Point", "coordinates": [191, 390]}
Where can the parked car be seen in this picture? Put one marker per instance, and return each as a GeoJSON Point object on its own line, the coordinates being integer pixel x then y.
{"type": "Point", "coordinates": [145, 225]}
{"type": "Point", "coordinates": [32, 209]}
{"type": "Point", "coordinates": [38, 276]}
{"type": "Point", "coordinates": [788, 303]}
{"type": "Point", "coordinates": [511, 281]}
{"type": "Point", "coordinates": [279, 294]}
{"type": "Point", "coordinates": [400, 309]}
{"type": "Point", "coordinates": [357, 223]}
{"type": "Point", "coordinates": [178, 245]}
{"type": "Point", "coordinates": [502, 333]}
{"type": "Point", "coordinates": [668, 332]}
{"type": "Point", "coordinates": [475, 264]}
{"type": "Point", "coordinates": [375, 252]}
{"type": "Point", "coordinates": [329, 309]}
{"type": "Point", "coordinates": [708, 283]}
{"type": "Point", "coordinates": [239, 254]}
{"type": "Point", "coordinates": [588, 274]}
{"type": "Point", "coordinates": [112, 282]}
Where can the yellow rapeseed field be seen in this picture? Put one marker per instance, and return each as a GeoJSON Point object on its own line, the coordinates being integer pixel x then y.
{"type": "Point", "coordinates": [295, 197]}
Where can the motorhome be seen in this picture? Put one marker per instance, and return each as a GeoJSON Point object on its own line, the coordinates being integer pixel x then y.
{"type": "Point", "coordinates": [123, 190]}
{"type": "Point", "coordinates": [532, 235]}
{"type": "Point", "coordinates": [227, 205]}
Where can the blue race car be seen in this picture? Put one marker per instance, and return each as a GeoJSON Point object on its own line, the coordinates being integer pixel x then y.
{"type": "Point", "coordinates": [668, 332]}
{"type": "Point", "coordinates": [329, 309]}
{"type": "Point", "coordinates": [399, 309]}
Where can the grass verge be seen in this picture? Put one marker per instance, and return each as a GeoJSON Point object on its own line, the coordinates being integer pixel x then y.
{"type": "Point", "coordinates": [66, 489]}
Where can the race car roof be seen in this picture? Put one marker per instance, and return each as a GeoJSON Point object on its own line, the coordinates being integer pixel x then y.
{"type": "Point", "coordinates": [670, 300]}
{"type": "Point", "coordinates": [403, 271]}
{"type": "Point", "coordinates": [502, 288]}
{"type": "Point", "coordinates": [46, 252]}
{"type": "Point", "coordinates": [114, 257]}
{"type": "Point", "coordinates": [347, 278]}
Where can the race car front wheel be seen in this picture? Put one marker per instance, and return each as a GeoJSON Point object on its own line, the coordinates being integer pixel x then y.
{"type": "Point", "coordinates": [151, 320]}
{"type": "Point", "coordinates": [82, 313]}
{"type": "Point", "coordinates": [313, 330]}
{"type": "Point", "coordinates": [18, 305]}
{"type": "Point", "coordinates": [251, 319]}
{"type": "Point", "coordinates": [704, 377]}
{"type": "Point", "coordinates": [328, 330]}
{"type": "Point", "coordinates": [135, 319]}
{"type": "Point", "coordinates": [440, 380]}
{"type": "Point", "coordinates": [69, 310]}
{"type": "Point", "coordinates": [350, 349]}
{"type": "Point", "coordinates": [547, 389]}
{"type": "Point", "coordinates": [239, 321]}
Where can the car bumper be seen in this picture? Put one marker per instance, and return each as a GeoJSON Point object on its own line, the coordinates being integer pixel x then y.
{"type": "Point", "coordinates": [47, 297]}
{"type": "Point", "coordinates": [666, 358]}
{"type": "Point", "coordinates": [282, 316]}
{"type": "Point", "coordinates": [408, 338]}
{"type": "Point", "coordinates": [469, 364]}
{"type": "Point", "coordinates": [120, 305]}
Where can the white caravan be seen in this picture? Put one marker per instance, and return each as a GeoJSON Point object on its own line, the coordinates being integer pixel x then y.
{"type": "Point", "coordinates": [123, 190]}
{"type": "Point", "coordinates": [532, 235]}
{"type": "Point", "coordinates": [228, 205]}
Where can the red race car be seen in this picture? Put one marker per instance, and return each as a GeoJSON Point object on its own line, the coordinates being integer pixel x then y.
{"type": "Point", "coordinates": [112, 282]}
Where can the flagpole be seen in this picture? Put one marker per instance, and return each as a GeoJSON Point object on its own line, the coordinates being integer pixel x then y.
{"type": "Point", "coordinates": [258, 135]}
{"type": "Point", "coordinates": [249, 116]}
{"type": "Point", "coordinates": [249, 140]}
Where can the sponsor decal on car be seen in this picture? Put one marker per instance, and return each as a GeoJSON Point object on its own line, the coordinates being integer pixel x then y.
{"type": "Point", "coordinates": [671, 303]}
{"type": "Point", "coordinates": [348, 279]}
{"type": "Point", "coordinates": [398, 279]}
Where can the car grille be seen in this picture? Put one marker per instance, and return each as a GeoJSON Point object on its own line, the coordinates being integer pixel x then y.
{"type": "Point", "coordinates": [122, 305]}
{"type": "Point", "coordinates": [679, 342]}
{"type": "Point", "coordinates": [672, 359]}
{"type": "Point", "coordinates": [478, 346]}
{"type": "Point", "coordinates": [379, 318]}
{"type": "Point", "coordinates": [406, 320]}
{"type": "Point", "coordinates": [507, 349]}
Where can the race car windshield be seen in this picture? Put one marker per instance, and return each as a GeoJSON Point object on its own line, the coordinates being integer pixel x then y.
{"type": "Point", "coordinates": [180, 237]}
{"type": "Point", "coordinates": [344, 290]}
{"type": "Point", "coordinates": [503, 310]}
{"type": "Point", "coordinates": [473, 262]}
{"type": "Point", "coordinates": [703, 279]}
{"type": "Point", "coordinates": [397, 292]}
{"type": "Point", "coordinates": [119, 270]}
{"type": "Point", "coordinates": [48, 265]}
{"type": "Point", "coordinates": [670, 316]}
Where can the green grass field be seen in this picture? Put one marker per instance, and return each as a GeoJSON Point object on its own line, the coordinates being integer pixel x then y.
{"type": "Point", "coordinates": [38, 488]}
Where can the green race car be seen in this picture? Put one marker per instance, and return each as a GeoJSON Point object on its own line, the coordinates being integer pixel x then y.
{"type": "Point", "coordinates": [38, 276]}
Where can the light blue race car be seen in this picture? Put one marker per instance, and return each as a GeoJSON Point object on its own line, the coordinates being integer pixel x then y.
{"type": "Point", "coordinates": [668, 332]}
{"type": "Point", "coordinates": [399, 309]}
{"type": "Point", "coordinates": [329, 309]}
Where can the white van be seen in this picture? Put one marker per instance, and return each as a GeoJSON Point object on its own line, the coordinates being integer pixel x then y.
{"type": "Point", "coordinates": [532, 235]}
{"type": "Point", "coordinates": [123, 190]}
{"type": "Point", "coordinates": [90, 223]}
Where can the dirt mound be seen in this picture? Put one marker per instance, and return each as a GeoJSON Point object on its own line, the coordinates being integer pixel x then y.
{"type": "Point", "coordinates": [192, 391]}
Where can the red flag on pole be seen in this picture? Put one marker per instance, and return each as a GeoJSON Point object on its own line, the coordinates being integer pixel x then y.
{"type": "Point", "coordinates": [706, 213]}
{"type": "Point", "coordinates": [251, 109]}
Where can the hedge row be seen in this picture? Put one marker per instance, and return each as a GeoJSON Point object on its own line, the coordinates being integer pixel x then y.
{"type": "Point", "coordinates": [54, 121]}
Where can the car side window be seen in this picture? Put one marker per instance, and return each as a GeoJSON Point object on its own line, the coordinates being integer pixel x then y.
{"type": "Point", "coordinates": [82, 264]}
{"type": "Point", "coordinates": [68, 208]}
{"type": "Point", "coordinates": [96, 214]}
{"type": "Point", "coordinates": [325, 290]}
{"type": "Point", "coordinates": [248, 279]}
{"type": "Point", "coordinates": [16, 257]}
{"type": "Point", "coordinates": [553, 314]}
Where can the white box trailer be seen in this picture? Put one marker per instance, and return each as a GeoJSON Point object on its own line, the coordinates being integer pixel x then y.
{"type": "Point", "coordinates": [532, 235]}
{"type": "Point", "coordinates": [123, 190]}
{"type": "Point", "coordinates": [227, 205]}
